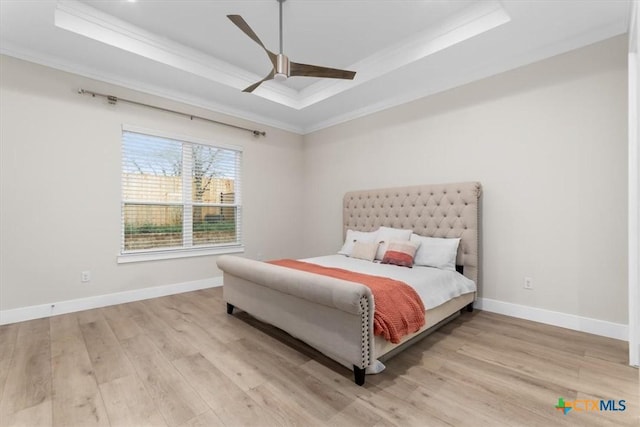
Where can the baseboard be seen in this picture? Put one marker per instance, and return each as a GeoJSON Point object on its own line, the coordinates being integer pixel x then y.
{"type": "Point", "coordinates": [71, 306]}
{"type": "Point", "coordinates": [555, 318]}
{"type": "Point", "coordinates": [570, 321]}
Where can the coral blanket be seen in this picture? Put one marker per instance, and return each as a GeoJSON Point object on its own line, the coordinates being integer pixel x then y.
{"type": "Point", "coordinates": [398, 308]}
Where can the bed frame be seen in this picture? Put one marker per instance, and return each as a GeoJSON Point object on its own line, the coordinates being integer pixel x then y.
{"type": "Point", "coordinates": [336, 316]}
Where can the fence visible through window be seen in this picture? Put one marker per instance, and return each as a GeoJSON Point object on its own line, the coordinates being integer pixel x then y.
{"type": "Point", "coordinates": [178, 194]}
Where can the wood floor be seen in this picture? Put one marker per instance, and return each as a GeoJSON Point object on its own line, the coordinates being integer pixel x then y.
{"type": "Point", "coordinates": [182, 361]}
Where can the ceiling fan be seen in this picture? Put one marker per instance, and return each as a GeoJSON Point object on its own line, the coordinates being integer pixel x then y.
{"type": "Point", "coordinates": [282, 67]}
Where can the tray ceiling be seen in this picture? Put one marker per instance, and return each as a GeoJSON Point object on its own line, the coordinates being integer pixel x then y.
{"type": "Point", "coordinates": [401, 50]}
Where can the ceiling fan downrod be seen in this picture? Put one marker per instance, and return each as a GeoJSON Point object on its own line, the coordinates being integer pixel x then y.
{"type": "Point", "coordinates": [280, 7]}
{"type": "Point", "coordinates": [282, 62]}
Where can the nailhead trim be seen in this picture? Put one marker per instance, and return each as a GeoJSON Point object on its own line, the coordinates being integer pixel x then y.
{"type": "Point", "coordinates": [366, 345]}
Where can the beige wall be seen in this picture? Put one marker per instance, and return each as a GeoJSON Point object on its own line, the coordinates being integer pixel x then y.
{"type": "Point", "coordinates": [60, 188]}
{"type": "Point", "coordinates": [548, 142]}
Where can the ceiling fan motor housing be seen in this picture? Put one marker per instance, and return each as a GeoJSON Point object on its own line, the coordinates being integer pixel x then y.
{"type": "Point", "coordinates": [282, 67]}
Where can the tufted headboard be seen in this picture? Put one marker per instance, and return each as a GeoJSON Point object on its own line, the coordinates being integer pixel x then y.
{"type": "Point", "coordinates": [442, 210]}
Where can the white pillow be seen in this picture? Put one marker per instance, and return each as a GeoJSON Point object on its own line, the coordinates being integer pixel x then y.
{"type": "Point", "coordinates": [353, 236]}
{"type": "Point", "coordinates": [386, 235]}
{"type": "Point", "coordinates": [436, 252]}
{"type": "Point", "coordinates": [365, 251]}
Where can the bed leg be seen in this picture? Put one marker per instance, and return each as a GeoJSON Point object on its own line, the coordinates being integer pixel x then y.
{"type": "Point", "coordinates": [470, 307]}
{"type": "Point", "coordinates": [230, 308]}
{"type": "Point", "coordinates": [358, 374]}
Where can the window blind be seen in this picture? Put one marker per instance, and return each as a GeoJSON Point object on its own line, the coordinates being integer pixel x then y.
{"type": "Point", "coordinates": [178, 195]}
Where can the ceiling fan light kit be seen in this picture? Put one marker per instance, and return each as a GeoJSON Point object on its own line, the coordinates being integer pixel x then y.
{"type": "Point", "coordinates": [282, 67]}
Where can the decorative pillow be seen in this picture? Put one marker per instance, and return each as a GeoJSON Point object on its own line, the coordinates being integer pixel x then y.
{"type": "Point", "coordinates": [436, 252]}
{"type": "Point", "coordinates": [386, 235]}
{"type": "Point", "coordinates": [366, 251]}
{"type": "Point", "coordinates": [353, 236]}
{"type": "Point", "coordinates": [400, 253]}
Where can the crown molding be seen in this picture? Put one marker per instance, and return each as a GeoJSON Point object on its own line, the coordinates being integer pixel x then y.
{"type": "Point", "coordinates": [471, 22]}
{"type": "Point", "coordinates": [480, 72]}
{"type": "Point", "coordinates": [9, 49]}
{"type": "Point", "coordinates": [86, 21]}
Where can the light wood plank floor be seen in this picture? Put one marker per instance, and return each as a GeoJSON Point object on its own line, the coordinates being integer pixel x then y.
{"type": "Point", "coordinates": [182, 361]}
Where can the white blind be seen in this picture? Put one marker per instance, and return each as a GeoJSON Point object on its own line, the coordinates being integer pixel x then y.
{"type": "Point", "coordinates": [178, 194]}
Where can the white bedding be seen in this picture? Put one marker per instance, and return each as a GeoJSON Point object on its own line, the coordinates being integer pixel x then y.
{"type": "Point", "coordinates": [433, 285]}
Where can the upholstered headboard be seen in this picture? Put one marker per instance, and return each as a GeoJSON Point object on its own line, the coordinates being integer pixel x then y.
{"type": "Point", "coordinates": [443, 210]}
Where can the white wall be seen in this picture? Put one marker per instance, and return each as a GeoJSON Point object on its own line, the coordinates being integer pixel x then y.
{"type": "Point", "coordinates": [547, 141]}
{"type": "Point", "coordinates": [60, 188]}
{"type": "Point", "coordinates": [634, 186]}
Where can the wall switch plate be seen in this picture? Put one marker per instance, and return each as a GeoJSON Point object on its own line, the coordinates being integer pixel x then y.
{"type": "Point", "coordinates": [528, 283]}
{"type": "Point", "coordinates": [85, 276]}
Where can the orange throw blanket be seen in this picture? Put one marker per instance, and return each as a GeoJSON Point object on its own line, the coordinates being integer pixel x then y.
{"type": "Point", "coordinates": [399, 310]}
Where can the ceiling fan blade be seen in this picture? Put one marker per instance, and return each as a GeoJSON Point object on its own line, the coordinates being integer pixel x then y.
{"type": "Point", "coordinates": [242, 24]}
{"type": "Point", "coordinates": [317, 71]}
{"type": "Point", "coordinates": [256, 84]}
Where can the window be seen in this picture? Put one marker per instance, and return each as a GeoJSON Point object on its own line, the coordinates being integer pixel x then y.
{"type": "Point", "coordinates": [179, 197]}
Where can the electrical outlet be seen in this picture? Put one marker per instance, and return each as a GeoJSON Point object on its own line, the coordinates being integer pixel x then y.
{"type": "Point", "coordinates": [528, 283]}
{"type": "Point", "coordinates": [85, 276]}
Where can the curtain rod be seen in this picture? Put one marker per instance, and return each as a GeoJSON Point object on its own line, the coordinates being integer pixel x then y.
{"type": "Point", "coordinates": [113, 100]}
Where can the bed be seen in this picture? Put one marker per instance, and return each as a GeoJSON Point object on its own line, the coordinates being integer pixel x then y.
{"type": "Point", "coordinates": [335, 316]}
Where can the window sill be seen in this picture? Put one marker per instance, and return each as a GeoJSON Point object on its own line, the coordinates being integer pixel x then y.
{"type": "Point", "coordinates": [177, 253]}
